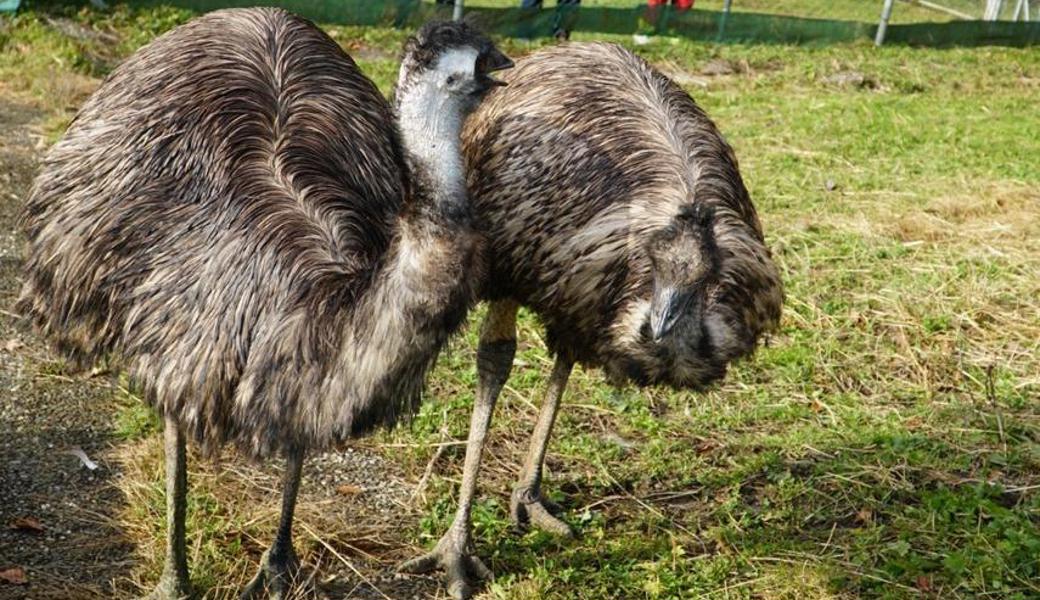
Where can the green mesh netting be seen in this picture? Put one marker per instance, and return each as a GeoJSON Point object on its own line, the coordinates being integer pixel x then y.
{"type": "Point", "coordinates": [697, 23]}
{"type": "Point", "coordinates": [965, 33]}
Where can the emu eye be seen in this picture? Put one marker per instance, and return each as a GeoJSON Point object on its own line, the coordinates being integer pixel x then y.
{"type": "Point", "coordinates": [452, 79]}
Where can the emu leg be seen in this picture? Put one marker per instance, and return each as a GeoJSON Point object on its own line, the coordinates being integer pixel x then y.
{"type": "Point", "coordinates": [174, 582]}
{"type": "Point", "coordinates": [279, 565]}
{"type": "Point", "coordinates": [455, 553]}
{"type": "Point", "coordinates": [527, 506]}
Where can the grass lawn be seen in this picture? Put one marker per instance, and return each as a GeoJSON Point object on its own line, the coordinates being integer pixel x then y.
{"type": "Point", "coordinates": [885, 444]}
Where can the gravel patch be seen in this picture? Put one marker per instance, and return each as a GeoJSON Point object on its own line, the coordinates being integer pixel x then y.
{"type": "Point", "coordinates": [72, 549]}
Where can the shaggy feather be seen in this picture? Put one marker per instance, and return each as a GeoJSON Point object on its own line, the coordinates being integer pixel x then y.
{"type": "Point", "coordinates": [234, 216]}
{"type": "Point", "coordinates": [585, 157]}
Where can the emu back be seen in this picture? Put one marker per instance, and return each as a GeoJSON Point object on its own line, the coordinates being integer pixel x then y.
{"type": "Point", "coordinates": [577, 163]}
{"type": "Point", "coordinates": [211, 218]}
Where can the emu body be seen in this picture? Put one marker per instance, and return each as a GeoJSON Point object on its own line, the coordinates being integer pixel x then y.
{"type": "Point", "coordinates": [575, 167]}
{"type": "Point", "coordinates": [615, 210]}
{"type": "Point", "coordinates": [237, 217]}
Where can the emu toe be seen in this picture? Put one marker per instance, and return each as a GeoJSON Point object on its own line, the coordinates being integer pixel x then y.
{"type": "Point", "coordinates": [463, 571]}
{"type": "Point", "coordinates": [527, 507]}
{"type": "Point", "coordinates": [274, 579]}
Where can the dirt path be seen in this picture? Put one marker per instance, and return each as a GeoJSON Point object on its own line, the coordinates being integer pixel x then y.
{"type": "Point", "coordinates": [43, 415]}
{"type": "Point", "coordinates": [60, 521]}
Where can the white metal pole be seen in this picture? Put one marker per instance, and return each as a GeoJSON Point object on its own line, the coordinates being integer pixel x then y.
{"type": "Point", "coordinates": [886, 14]}
{"type": "Point", "coordinates": [993, 9]}
{"type": "Point", "coordinates": [1022, 6]}
{"type": "Point", "coordinates": [457, 13]}
{"type": "Point", "coordinates": [726, 8]}
{"type": "Point", "coordinates": [945, 9]}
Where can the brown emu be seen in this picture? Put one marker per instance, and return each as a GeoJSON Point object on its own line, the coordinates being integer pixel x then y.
{"type": "Point", "coordinates": [241, 219]}
{"type": "Point", "coordinates": [615, 210]}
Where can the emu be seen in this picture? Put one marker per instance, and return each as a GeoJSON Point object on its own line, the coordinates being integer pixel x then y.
{"type": "Point", "coordinates": [615, 210]}
{"type": "Point", "coordinates": [273, 252]}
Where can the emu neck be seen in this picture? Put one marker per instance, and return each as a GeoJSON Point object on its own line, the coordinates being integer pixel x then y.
{"type": "Point", "coordinates": [431, 125]}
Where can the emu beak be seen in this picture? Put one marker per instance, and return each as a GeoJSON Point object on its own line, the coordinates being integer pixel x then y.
{"type": "Point", "coordinates": [667, 305]}
{"type": "Point", "coordinates": [496, 61]}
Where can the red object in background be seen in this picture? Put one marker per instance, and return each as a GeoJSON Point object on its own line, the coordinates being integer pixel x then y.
{"type": "Point", "coordinates": [653, 8]}
{"type": "Point", "coordinates": [678, 4]}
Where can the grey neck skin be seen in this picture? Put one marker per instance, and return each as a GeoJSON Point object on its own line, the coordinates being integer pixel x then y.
{"type": "Point", "coordinates": [431, 122]}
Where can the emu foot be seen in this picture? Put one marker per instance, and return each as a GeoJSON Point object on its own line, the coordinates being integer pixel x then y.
{"type": "Point", "coordinates": [528, 507]}
{"type": "Point", "coordinates": [274, 579]}
{"type": "Point", "coordinates": [171, 587]}
{"type": "Point", "coordinates": [454, 555]}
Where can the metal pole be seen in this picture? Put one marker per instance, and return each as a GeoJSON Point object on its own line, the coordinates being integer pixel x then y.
{"type": "Point", "coordinates": [993, 10]}
{"type": "Point", "coordinates": [1022, 6]}
{"type": "Point", "coordinates": [886, 14]}
{"type": "Point", "coordinates": [945, 9]}
{"type": "Point", "coordinates": [727, 6]}
{"type": "Point", "coordinates": [457, 14]}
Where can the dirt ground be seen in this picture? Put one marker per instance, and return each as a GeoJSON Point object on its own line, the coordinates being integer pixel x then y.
{"type": "Point", "coordinates": [60, 519]}
{"type": "Point", "coordinates": [42, 417]}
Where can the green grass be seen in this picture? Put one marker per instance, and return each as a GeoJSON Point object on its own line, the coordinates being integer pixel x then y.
{"type": "Point", "coordinates": [135, 420]}
{"type": "Point", "coordinates": [886, 444]}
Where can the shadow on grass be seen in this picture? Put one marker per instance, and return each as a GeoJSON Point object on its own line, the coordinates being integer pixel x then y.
{"type": "Point", "coordinates": [880, 514]}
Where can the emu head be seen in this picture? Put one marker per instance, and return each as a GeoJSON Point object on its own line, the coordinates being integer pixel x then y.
{"type": "Point", "coordinates": [684, 261]}
{"type": "Point", "coordinates": [446, 69]}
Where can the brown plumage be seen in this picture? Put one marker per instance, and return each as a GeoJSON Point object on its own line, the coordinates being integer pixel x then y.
{"type": "Point", "coordinates": [616, 212]}
{"type": "Point", "coordinates": [575, 168]}
{"type": "Point", "coordinates": [239, 217]}
{"type": "Point", "coordinates": [222, 215]}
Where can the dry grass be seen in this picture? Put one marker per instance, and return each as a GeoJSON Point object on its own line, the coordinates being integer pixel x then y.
{"type": "Point", "coordinates": [234, 509]}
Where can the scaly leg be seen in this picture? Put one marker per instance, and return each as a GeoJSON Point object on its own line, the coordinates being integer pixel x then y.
{"type": "Point", "coordinates": [455, 552]}
{"type": "Point", "coordinates": [527, 504]}
{"type": "Point", "coordinates": [174, 583]}
{"type": "Point", "coordinates": [279, 565]}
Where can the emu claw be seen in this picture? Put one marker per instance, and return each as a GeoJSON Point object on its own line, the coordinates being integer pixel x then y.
{"type": "Point", "coordinates": [274, 578]}
{"type": "Point", "coordinates": [528, 507]}
{"type": "Point", "coordinates": [453, 555]}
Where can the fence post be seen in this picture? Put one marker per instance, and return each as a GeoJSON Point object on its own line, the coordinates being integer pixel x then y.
{"type": "Point", "coordinates": [457, 13]}
{"type": "Point", "coordinates": [726, 8]}
{"type": "Point", "coordinates": [1022, 10]}
{"type": "Point", "coordinates": [993, 9]}
{"type": "Point", "coordinates": [886, 14]}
